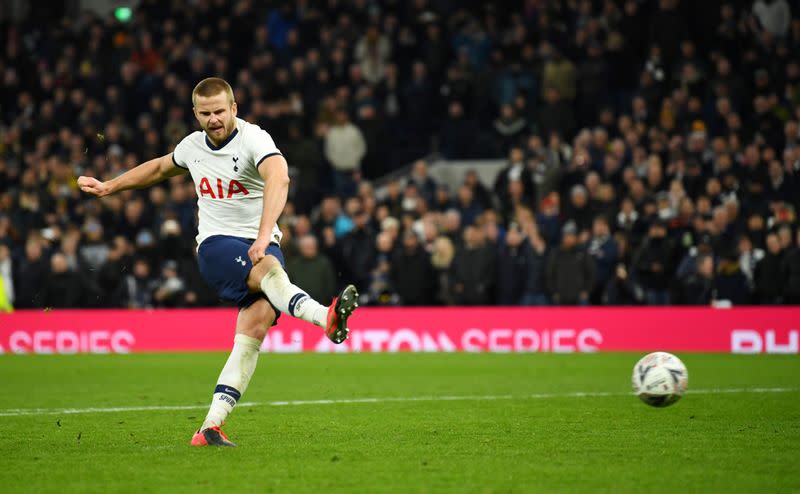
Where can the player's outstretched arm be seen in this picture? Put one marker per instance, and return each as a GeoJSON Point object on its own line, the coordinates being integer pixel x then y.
{"type": "Point", "coordinates": [148, 173]}
{"type": "Point", "coordinates": [275, 173]}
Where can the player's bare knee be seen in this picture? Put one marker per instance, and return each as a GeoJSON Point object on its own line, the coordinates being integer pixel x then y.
{"type": "Point", "coordinates": [255, 321]}
{"type": "Point", "coordinates": [259, 271]}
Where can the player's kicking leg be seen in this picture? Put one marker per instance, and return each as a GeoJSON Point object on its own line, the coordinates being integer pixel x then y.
{"type": "Point", "coordinates": [251, 327]}
{"type": "Point", "coordinates": [269, 277]}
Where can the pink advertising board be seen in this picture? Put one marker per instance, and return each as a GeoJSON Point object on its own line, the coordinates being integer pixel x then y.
{"type": "Point", "coordinates": [452, 329]}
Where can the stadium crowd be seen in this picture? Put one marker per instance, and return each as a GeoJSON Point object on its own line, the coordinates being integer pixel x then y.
{"type": "Point", "coordinates": [653, 149]}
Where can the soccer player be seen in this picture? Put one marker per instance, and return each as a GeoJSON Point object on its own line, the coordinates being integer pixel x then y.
{"type": "Point", "coordinates": [242, 183]}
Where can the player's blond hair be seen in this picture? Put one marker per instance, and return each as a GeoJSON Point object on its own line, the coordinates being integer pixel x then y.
{"type": "Point", "coordinates": [211, 86]}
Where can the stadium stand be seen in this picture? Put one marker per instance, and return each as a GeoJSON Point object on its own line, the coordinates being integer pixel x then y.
{"type": "Point", "coordinates": [652, 147]}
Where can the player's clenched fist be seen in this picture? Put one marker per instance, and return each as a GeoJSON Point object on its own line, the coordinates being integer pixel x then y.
{"type": "Point", "coordinates": [93, 186]}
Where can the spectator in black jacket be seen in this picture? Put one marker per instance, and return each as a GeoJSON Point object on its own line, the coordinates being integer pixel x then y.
{"type": "Point", "coordinates": [412, 274]}
{"type": "Point", "coordinates": [768, 277]}
{"type": "Point", "coordinates": [136, 290]}
{"type": "Point", "coordinates": [29, 275]}
{"type": "Point", "coordinates": [605, 254]}
{"type": "Point", "coordinates": [63, 287]}
{"type": "Point", "coordinates": [730, 282]}
{"type": "Point", "coordinates": [698, 287]}
{"type": "Point", "coordinates": [791, 267]}
{"type": "Point", "coordinates": [652, 264]}
{"type": "Point", "coordinates": [570, 270]}
{"type": "Point", "coordinates": [473, 270]}
{"type": "Point", "coordinates": [516, 170]}
{"type": "Point", "coordinates": [513, 268]}
{"type": "Point", "coordinates": [535, 292]}
{"type": "Point", "coordinates": [358, 250]}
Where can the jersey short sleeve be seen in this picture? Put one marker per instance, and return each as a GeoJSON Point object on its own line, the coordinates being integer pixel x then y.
{"type": "Point", "coordinates": [180, 153]}
{"type": "Point", "coordinates": [259, 144]}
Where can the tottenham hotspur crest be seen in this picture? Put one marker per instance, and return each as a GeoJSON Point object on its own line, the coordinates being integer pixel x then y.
{"type": "Point", "coordinates": [240, 260]}
{"type": "Point", "coordinates": [236, 163]}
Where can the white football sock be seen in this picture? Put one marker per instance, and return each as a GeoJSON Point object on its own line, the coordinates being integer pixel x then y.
{"type": "Point", "coordinates": [290, 299]}
{"type": "Point", "coordinates": [233, 379]}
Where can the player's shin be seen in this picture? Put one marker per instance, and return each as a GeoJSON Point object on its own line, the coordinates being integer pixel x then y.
{"type": "Point", "coordinates": [233, 379]}
{"type": "Point", "coordinates": [290, 299]}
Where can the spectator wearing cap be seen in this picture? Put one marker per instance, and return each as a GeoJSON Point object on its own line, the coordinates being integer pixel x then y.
{"type": "Point", "coordinates": [570, 271]}
{"type": "Point", "coordinates": [652, 264]}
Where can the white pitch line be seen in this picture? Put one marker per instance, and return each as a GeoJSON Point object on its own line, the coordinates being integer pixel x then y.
{"type": "Point", "coordinates": [19, 412]}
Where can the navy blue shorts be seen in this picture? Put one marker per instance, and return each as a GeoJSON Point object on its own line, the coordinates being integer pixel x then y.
{"type": "Point", "coordinates": [225, 265]}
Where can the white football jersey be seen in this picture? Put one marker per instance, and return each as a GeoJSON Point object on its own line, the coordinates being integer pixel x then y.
{"type": "Point", "coordinates": [230, 190]}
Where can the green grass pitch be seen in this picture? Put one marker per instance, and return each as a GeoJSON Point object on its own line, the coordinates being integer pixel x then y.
{"type": "Point", "coordinates": [443, 433]}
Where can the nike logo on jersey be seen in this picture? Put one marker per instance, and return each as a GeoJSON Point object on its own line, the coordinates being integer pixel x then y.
{"type": "Point", "coordinates": [234, 187]}
{"type": "Point", "coordinates": [235, 163]}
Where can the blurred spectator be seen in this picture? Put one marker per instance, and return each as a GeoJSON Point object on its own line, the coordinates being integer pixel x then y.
{"type": "Point", "coordinates": [63, 286]}
{"type": "Point", "coordinates": [570, 271]}
{"type": "Point", "coordinates": [698, 287]}
{"type": "Point", "coordinates": [773, 16]}
{"type": "Point", "coordinates": [426, 186]}
{"type": "Point", "coordinates": [312, 270]}
{"type": "Point", "coordinates": [412, 273]}
{"type": "Point", "coordinates": [768, 277]}
{"type": "Point", "coordinates": [441, 259]}
{"type": "Point", "coordinates": [791, 267]}
{"type": "Point", "coordinates": [30, 274]}
{"type": "Point", "coordinates": [137, 288]}
{"type": "Point", "coordinates": [345, 147]}
{"type": "Point", "coordinates": [358, 250]}
{"type": "Point", "coordinates": [535, 290]}
{"type": "Point", "coordinates": [604, 252]}
{"type": "Point", "coordinates": [6, 280]}
{"type": "Point", "coordinates": [730, 282]}
{"type": "Point", "coordinates": [473, 270]}
{"type": "Point", "coordinates": [652, 264]}
{"type": "Point", "coordinates": [171, 287]}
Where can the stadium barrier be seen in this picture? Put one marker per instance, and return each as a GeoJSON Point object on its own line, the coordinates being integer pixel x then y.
{"type": "Point", "coordinates": [452, 329]}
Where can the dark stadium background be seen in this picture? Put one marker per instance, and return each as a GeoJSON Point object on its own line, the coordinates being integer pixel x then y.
{"type": "Point", "coordinates": [514, 152]}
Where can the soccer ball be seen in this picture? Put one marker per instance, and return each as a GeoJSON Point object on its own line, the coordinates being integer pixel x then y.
{"type": "Point", "coordinates": [660, 379]}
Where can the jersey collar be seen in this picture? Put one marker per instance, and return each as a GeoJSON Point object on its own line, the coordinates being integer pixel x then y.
{"type": "Point", "coordinates": [226, 141]}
